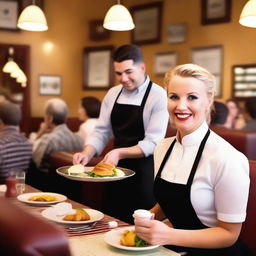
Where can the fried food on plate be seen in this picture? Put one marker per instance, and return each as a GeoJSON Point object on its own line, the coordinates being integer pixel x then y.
{"type": "Point", "coordinates": [129, 238]}
{"type": "Point", "coordinates": [80, 215]}
{"type": "Point", "coordinates": [43, 198]}
{"type": "Point", "coordinates": [76, 169]}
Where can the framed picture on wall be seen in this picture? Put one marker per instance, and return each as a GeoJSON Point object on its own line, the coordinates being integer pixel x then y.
{"type": "Point", "coordinates": [177, 33]}
{"type": "Point", "coordinates": [49, 85]}
{"type": "Point", "coordinates": [215, 11]}
{"type": "Point", "coordinates": [9, 11]}
{"type": "Point", "coordinates": [244, 81]}
{"type": "Point", "coordinates": [98, 69]}
{"type": "Point", "coordinates": [147, 19]}
{"type": "Point", "coordinates": [164, 62]}
{"type": "Point", "coordinates": [211, 59]}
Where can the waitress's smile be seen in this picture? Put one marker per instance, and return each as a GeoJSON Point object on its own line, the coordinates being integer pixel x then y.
{"type": "Point", "coordinates": [183, 116]}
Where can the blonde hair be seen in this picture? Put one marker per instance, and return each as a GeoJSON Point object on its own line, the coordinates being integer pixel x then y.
{"type": "Point", "coordinates": [195, 71]}
{"type": "Point", "coordinates": [199, 73]}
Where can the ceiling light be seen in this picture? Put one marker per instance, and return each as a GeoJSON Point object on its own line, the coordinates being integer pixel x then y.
{"type": "Point", "coordinates": [118, 18]}
{"type": "Point", "coordinates": [32, 18]}
{"type": "Point", "coordinates": [10, 66]}
{"type": "Point", "coordinates": [248, 14]}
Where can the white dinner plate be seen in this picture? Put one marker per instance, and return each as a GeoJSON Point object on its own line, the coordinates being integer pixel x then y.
{"type": "Point", "coordinates": [24, 198]}
{"type": "Point", "coordinates": [94, 216]}
{"type": "Point", "coordinates": [63, 171]}
{"type": "Point", "coordinates": [113, 238]}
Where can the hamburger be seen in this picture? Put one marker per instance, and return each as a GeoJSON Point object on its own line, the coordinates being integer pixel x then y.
{"type": "Point", "coordinates": [103, 169]}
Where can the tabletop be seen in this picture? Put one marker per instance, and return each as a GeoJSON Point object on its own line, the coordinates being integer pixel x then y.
{"type": "Point", "coordinates": [91, 242]}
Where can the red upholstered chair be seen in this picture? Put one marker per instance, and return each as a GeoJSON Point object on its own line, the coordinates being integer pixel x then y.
{"type": "Point", "coordinates": [24, 234]}
{"type": "Point", "coordinates": [248, 233]}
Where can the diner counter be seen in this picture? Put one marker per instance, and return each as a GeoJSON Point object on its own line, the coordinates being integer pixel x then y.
{"type": "Point", "coordinates": [89, 243]}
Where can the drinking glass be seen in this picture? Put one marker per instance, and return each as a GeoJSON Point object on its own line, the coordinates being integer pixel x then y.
{"type": "Point", "coordinates": [20, 182]}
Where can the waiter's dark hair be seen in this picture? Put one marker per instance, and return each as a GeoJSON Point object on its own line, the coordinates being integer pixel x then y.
{"type": "Point", "coordinates": [10, 113]}
{"type": "Point", "coordinates": [128, 52]}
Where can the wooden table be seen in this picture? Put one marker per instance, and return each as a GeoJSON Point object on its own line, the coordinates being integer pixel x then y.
{"type": "Point", "coordinates": [91, 244]}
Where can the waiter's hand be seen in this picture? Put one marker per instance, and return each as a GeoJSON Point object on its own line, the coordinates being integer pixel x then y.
{"type": "Point", "coordinates": [153, 231]}
{"type": "Point", "coordinates": [80, 158]}
{"type": "Point", "coordinates": [112, 157]}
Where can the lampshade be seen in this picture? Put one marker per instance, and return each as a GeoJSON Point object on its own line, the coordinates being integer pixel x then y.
{"type": "Point", "coordinates": [118, 18]}
{"type": "Point", "coordinates": [248, 14]}
{"type": "Point", "coordinates": [17, 73]}
{"type": "Point", "coordinates": [32, 18]}
{"type": "Point", "coordinates": [10, 66]}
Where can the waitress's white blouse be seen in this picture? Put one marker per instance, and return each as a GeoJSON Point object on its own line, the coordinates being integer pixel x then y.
{"type": "Point", "coordinates": [221, 183]}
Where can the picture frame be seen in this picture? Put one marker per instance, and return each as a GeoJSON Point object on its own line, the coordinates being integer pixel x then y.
{"type": "Point", "coordinates": [215, 11]}
{"type": "Point", "coordinates": [50, 85]}
{"type": "Point", "coordinates": [244, 81]}
{"type": "Point", "coordinates": [9, 12]}
{"type": "Point", "coordinates": [98, 71]}
{"type": "Point", "coordinates": [177, 33]}
{"type": "Point", "coordinates": [164, 61]}
{"type": "Point", "coordinates": [211, 58]}
{"type": "Point", "coordinates": [148, 23]}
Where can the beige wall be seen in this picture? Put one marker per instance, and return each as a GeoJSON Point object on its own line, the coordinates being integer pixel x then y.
{"type": "Point", "coordinates": [68, 32]}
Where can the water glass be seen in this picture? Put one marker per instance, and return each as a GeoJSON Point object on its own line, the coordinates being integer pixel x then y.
{"type": "Point", "coordinates": [20, 182]}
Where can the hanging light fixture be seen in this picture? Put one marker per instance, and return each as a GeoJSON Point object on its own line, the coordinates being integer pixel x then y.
{"type": "Point", "coordinates": [248, 14]}
{"type": "Point", "coordinates": [118, 18]}
{"type": "Point", "coordinates": [10, 65]}
{"type": "Point", "coordinates": [32, 18]}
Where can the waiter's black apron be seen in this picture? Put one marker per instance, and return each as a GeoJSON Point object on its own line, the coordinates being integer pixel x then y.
{"type": "Point", "coordinates": [174, 200]}
{"type": "Point", "coordinates": [121, 198]}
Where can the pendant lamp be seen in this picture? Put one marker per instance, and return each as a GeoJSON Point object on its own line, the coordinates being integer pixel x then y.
{"type": "Point", "coordinates": [32, 18]}
{"type": "Point", "coordinates": [10, 66]}
{"type": "Point", "coordinates": [248, 14]}
{"type": "Point", "coordinates": [118, 18]}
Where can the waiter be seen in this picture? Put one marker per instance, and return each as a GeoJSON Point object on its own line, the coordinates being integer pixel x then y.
{"type": "Point", "coordinates": [135, 113]}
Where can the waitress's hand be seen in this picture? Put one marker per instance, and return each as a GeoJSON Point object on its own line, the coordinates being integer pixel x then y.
{"type": "Point", "coordinates": [80, 158]}
{"type": "Point", "coordinates": [153, 231]}
{"type": "Point", "coordinates": [112, 157]}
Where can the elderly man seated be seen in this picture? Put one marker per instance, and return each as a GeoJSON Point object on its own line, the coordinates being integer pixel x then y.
{"type": "Point", "coordinates": [15, 149]}
{"type": "Point", "coordinates": [53, 136]}
{"type": "Point", "coordinates": [56, 136]}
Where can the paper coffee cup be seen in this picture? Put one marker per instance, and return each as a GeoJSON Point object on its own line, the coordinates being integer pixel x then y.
{"type": "Point", "coordinates": [145, 214]}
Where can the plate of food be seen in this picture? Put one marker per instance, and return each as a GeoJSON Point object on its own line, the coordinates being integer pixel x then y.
{"type": "Point", "coordinates": [126, 238]}
{"type": "Point", "coordinates": [102, 172]}
{"type": "Point", "coordinates": [41, 198]}
{"type": "Point", "coordinates": [80, 216]}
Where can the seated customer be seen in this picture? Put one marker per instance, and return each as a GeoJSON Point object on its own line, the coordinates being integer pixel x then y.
{"type": "Point", "coordinates": [88, 111]}
{"type": "Point", "coordinates": [219, 114]}
{"type": "Point", "coordinates": [60, 137]}
{"type": "Point", "coordinates": [250, 108]}
{"type": "Point", "coordinates": [15, 149]}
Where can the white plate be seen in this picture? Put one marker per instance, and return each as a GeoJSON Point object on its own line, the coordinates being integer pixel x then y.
{"type": "Point", "coordinates": [94, 216]}
{"type": "Point", "coordinates": [24, 198]}
{"type": "Point", "coordinates": [113, 238]}
{"type": "Point", "coordinates": [63, 171]}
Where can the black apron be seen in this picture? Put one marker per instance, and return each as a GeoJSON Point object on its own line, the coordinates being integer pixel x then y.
{"type": "Point", "coordinates": [174, 200]}
{"type": "Point", "coordinates": [121, 198]}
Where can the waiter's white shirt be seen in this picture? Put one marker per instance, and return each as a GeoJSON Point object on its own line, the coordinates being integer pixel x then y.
{"type": "Point", "coordinates": [155, 116]}
{"type": "Point", "coordinates": [221, 184]}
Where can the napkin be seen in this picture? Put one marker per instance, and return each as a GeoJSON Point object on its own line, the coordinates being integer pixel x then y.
{"type": "Point", "coordinates": [62, 209]}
